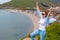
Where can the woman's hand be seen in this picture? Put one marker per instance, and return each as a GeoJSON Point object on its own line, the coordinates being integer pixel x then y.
{"type": "Point", "coordinates": [37, 7]}
{"type": "Point", "coordinates": [36, 3]}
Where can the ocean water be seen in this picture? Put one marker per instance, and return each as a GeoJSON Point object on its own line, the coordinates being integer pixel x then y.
{"type": "Point", "coordinates": [13, 26]}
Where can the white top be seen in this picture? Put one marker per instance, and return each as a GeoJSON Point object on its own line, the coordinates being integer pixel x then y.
{"type": "Point", "coordinates": [44, 21]}
{"type": "Point", "coordinates": [42, 24]}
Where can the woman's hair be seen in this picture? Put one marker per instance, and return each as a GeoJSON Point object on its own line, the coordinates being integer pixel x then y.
{"type": "Point", "coordinates": [46, 12]}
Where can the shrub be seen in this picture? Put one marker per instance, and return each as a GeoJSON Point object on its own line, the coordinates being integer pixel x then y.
{"type": "Point", "coordinates": [52, 32]}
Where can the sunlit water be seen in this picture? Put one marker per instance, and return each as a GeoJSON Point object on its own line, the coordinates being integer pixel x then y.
{"type": "Point", "coordinates": [13, 26]}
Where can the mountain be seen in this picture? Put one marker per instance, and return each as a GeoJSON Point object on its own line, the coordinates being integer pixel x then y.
{"type": "Point", "coordinates": [22, 4]}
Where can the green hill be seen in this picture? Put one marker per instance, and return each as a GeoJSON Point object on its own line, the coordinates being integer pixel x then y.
{"type": "Point", "coordinates": [22, 4]}
{"type": "Point", "coordinates": [52, 32]}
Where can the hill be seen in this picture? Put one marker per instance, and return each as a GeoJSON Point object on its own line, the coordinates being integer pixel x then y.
{"type": "Point", "coordinates": [52, 32]}
{"type": "Point", "coordinates": [22, 4]}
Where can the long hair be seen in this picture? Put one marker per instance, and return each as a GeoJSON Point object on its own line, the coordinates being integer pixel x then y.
{"type": "Point", "coordinates": [46, 12]}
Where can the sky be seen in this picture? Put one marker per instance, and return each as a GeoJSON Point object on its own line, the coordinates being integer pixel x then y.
{"type": "Point", "coordinates": [4, 1]}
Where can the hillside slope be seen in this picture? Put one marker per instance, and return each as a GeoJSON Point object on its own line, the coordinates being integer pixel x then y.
{"type": "Point", "coordinates": [52, 32]}
{"type": "Point", "coordinates": [22, 4]}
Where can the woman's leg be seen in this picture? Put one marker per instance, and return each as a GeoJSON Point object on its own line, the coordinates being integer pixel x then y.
{"type": "Point", "coordinates": [34, 33]}
{"type": "Point", "coordinates": [42, 35]}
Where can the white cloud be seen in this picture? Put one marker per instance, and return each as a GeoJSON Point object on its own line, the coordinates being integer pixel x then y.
{"type": "Point", "coordinates": [4, 1]}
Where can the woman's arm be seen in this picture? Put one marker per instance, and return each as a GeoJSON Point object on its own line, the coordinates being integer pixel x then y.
{"type": "Point", "coordinates": [37, 7]}
{"type": "Point", "coordinates": [38, 10]}
{"type": "Point", "coordinates": [47, 19]}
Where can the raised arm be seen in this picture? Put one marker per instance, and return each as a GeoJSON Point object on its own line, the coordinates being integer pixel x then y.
{"type": "Point", "coordinates": [37, 7]}
{"type": "Point", "coordinates": [47, 19]}
{"type": "Point", "coordinates": [38, 10]}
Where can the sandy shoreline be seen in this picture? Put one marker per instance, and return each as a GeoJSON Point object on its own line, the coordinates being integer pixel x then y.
{"type": "Point", "coordinates": [32, 16]}
{"type": "Point", "coordinates": [34, 19]}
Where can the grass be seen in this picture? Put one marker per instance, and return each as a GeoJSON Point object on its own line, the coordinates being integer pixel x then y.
{"type": "Point", "coordinates": [52, 32]}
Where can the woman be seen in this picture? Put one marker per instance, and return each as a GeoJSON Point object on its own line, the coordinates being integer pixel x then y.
{"type": "Point", "coordinates": [44, 21]}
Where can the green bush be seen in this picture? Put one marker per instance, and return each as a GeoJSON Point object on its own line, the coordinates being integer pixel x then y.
{"type": "Point", "coordinates": [52, 32]}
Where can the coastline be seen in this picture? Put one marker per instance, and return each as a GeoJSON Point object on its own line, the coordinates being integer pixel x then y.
{"type": "Point", "coordinates": [34, 18]}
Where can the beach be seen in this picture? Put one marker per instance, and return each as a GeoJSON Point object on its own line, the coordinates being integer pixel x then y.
{"type": "Point", "coordinates": [34, 18]}
{"type": "Point", "coordinates": [16, 24]}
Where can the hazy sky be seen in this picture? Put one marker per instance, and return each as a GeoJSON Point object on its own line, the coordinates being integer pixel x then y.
{"type": "Point", "coordinates": [3, 1]}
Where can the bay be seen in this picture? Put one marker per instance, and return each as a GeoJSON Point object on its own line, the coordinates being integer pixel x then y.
{"type": "Point", "coordinates": [14, 26]}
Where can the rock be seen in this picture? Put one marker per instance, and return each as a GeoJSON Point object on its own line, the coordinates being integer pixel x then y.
{"type": "Point", "coordinates": [27, 38]}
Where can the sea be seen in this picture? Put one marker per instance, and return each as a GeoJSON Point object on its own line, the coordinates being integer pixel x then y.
{"type": "Point", "coordinates": [14, 25]}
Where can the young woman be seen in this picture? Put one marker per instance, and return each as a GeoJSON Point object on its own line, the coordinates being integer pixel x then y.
{"type": "Point", "coordinates": [44, 21]}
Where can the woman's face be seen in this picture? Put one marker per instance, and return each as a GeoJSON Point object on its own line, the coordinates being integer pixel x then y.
{"type": "Point", "coordinates": [44, 14]}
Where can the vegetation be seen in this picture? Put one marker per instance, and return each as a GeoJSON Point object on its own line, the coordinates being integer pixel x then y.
{"type": "Point", "coordinates": [53, 32]}
{"type": "Point", "coordinates": [23, 4]}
